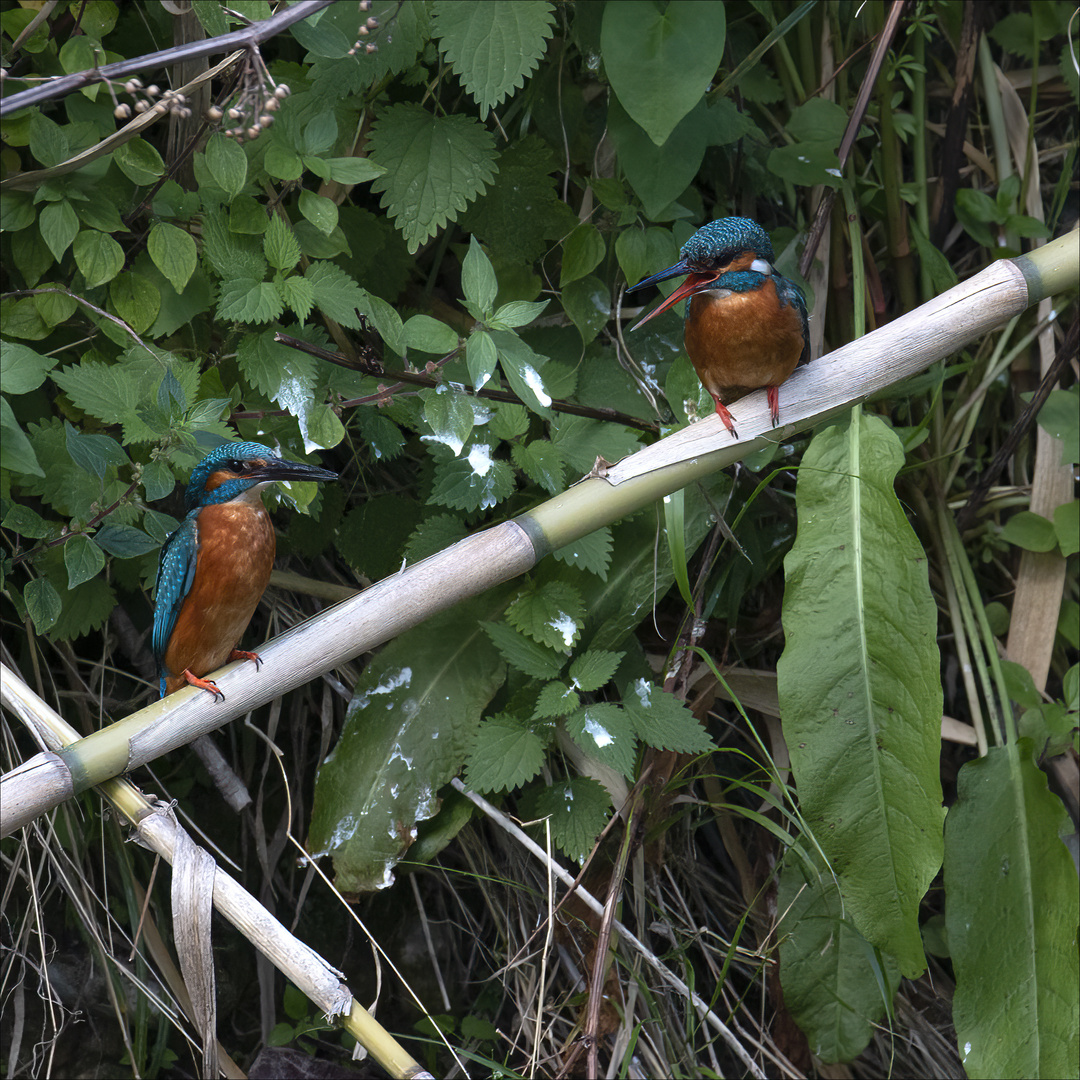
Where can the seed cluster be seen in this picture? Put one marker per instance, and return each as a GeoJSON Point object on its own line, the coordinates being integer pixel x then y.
{"type": "Point", "coordinates": [146, 97]}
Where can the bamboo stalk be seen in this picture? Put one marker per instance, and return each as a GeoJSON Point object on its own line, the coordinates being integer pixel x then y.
{"type": "Point", "coordinates": [814, 393]}
{"type": "Point", "coordinates": [159, 830]}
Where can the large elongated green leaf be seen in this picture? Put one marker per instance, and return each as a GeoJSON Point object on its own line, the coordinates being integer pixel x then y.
{"type": "Point", "coordinates": [835, 986]}
{"type": "Point", "coordinates": [660, 58]}
{"type": "Point", "coordinates": [1011, 914]}
{"type": "Point", "coordinates": [860, 694]}
{"type": "Point", "coordinates": [413, 716]}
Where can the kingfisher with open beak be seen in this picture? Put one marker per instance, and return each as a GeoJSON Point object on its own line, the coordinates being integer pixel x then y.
{"type": "Point", "coordinates": [215, 567]}
{"type": "Point", "coordinates": [746, 326]}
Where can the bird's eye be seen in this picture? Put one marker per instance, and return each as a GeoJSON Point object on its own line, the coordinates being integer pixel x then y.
{"type": "Point", "coordinates": [235, 465]}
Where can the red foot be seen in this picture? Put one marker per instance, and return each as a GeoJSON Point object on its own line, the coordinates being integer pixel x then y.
{"type": "Point", "coordinates": [208, 685]}
{"type": "Point", "coordinates": [722, 412]}
{"type": "Point", "coordinates": [773, 393]}
{"type": "Point", "coordinates": [240, 654]}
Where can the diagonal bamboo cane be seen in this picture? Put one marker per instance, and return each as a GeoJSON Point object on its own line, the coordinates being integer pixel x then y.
{"type": "Point", "coordinates": [814, 393]}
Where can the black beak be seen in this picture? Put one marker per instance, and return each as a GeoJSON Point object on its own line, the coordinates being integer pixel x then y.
{"type": "Point", "coordinates": [280, 469]}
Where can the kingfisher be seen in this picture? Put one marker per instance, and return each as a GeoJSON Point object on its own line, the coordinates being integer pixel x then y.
{"type": "Point", "coordinates": [216, 565]}
{"type": "Point", "coordinates": [746, 325]}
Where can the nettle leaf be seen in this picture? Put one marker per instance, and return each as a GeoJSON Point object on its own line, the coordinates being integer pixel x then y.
{"type": "Point", "coordinates": [593, 669]}
{"type": "Point", "coordinates": [504, 756]}
{"type": "Point", "coordinates": [577, 809]}
{"type": "Point", "coordinates": [229, 254]}
{"type": "Point", "coordinates": [556, 699]}
{"type": "Point", "coordinates": [336, 294]}
{"type": "Point", "coordinates": [604, 731]}
{"type": "Point", "coordinates": [591, 552]}
{"type": "Point", "coordinates": [552, 614]}
{"type": "Point", "coordinates": [98, 256]}
{"type": "Point", "coordinates": [657, 59]}
{"type": "Point", "coordinates": [474, 482]}
{"type": "Point", "coordinates": [297, 295]}
{"type": "Point", "coordinates": [435, 166]}
{"type": "Point", "coordinates": [541, 462]}
{"type": "Point", "coordinates": [434, 535]}
{"type": "Point", "coordinates": [492, 44]}
{"type": "Point", "coordinates": [280, 245]}
{"type": "Point", "coordinates": [522, 653]}
{"type": "Point", "coordinates": [248, 301]}
{"type": "Point", "coordinates": [662, 720]}
{"type": "Point", "coordinates": [173, 253]}
{"type": "Point", "coordinates": [22, 369]}
{"type": "Point", "coordinates": [509, 421]}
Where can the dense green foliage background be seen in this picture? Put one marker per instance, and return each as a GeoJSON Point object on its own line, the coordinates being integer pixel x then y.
{"type": "Point", "coordinates": [466, 203]}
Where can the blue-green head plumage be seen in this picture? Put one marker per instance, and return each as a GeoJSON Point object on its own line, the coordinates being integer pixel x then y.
{"type": "Point", "coordinates": [240, 467]}
{"type": "Point", "coordinates": [723, 239]}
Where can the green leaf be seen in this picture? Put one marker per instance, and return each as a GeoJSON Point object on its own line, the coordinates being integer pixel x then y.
{"type": "Point", "coordinates": [98, 256]}
{"type": "Point", "coordinates": [861, 704]}
{"type": "Point", "coordinates": [662, 720]}
{"type": "Point", "coordinates": [352, 170]}
{"type": "Point", "coordinates": [552, 614]}
{"type": "Point", "coordinates": [481, 357]}
{"type": "Point", "coordinates": [283, 163]}
{"type": "Point", "coordinates": [59, 226]}
{"type": "Point", "coordinates": [280, 245]}
{"type": "Point", "coordinates": [434, 534]}
{"type": "Point", "coordinates": [582, 253]}
{"type": "Point", "coordinates": [591, 552]}
{"type": "Point", "coordinates": [604, 732]}
{"type": "Point", "coordinates": [556, 699]}
{"type": "Point", "coordinates": [227, 163]}
{"type": "Point", "coordinates": [94, 454]}
{"type": "Point", "coordinates": [297, 295]}
{"type": "Point", "coordinates": [248, 301]}
{"type": "Point", "coordinates": [450, 416]}
{"type": "Point", "coordinates": [588, 304]}
{"type": "Point", "coordinates": [807, 163]}
{"type": "Point", "coordinates": [522, 653]}
{"type": "Point", "coordinates": [474, 482]}
{"type": "Point", "coordinates": [429, 335]}
{"type": "Point", "coordinates": [320, 211]}
{"type": "Point", "coordinates": [1030, 531]}
{"type": "Point", "coordinates": [478, 277]}
{"type": "Point", "coordinates": [43, 604]}
{"type": "Point", "coordinates": [139, 162]}
{"type": "Point", "coordinates": [231, 255]}
{"type": "Point", "coordinates": [123, 541]}
{"type": "Point", "coordinates": [835, 986]}
{"type": "Point", "coordinates": [22, 369]}
{"type": "Point", "coordinates": [541, 462]}
{"type": "Point", "coordinates": [48, 140]}
{"type": "Point", "coordinates": [173, 253]}
{"type": "Point", "coordinates": [593, 669]}
{"type": "Point", "coordinates": [16, 211]}
{"type": "Point", "coordinates": [578, 810]}
{"type": "Point", "coordinates": [656, 58]}
{"type": "Point", "coordinates": [435, 166]}
{"type": "Point", "coordinates": [338, 297]}
{"type": "Point", "coordinates": [1060, 417]}
{"type": "Point", "coordinates": [136, 301]}
{"type": "Point", "coordinates": [492, 44]}
{"type": "Point", "coordinates": [517, 313]}
{"type": "Point", "coordinates": [414, 715]}
{"type": "Point", "coordinates": [56, 307]}
{"type": "Point", "coordinates": [16, 450]}
{"type": "Point", "coordinates": [26, 522]}
{"type": "Point", "coordinates": [1067, 527]}
{"type": "Point", "coordinates": [83, 559]}
{"type": "Point", "coordinates": [521, 366]}
{"type": "Point", "coordinates": [504, 756]}
{"type": "Point", "coordinates": [1011, 915]}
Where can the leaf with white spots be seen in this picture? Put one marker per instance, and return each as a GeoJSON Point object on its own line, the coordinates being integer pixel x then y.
{"type": "Point", "coordinates": [552, 614]}
{"type": "Point", "coordinates": [662, 720]}
{"type": "Point", "coordinates": [577, 810]}
{"type": "Point", "coordinates": [522, 368]}
{"type": "Point", "coordinates": [591, 552]}
{"type": "Point", "coordinates": [605, 732]}
{"type": "Point", "coordinates": [593, 669]}
{"type": "Point", "coordinates": [556, 699]}
{"type": "Point", "coordinates": [521, 652]}
{"type": "Point", "coordinates": [475, 481]}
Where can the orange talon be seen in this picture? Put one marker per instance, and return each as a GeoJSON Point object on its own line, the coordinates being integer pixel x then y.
{"type": "Point", "coordinates": [208, 685]}
{"type": "Point", "coordinates": [243, 654]}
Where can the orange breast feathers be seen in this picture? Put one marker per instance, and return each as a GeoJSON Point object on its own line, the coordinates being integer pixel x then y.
{"type": "Point", "coordinates": [235, 557]}
{"type": "Point", "coordinates": [742, 341]}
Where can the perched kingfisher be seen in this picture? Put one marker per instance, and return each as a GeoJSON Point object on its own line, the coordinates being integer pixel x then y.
{"type": "Point", "coordinates": [746, 326]}
{"type": "Point", "coordinates": [215, 567]}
